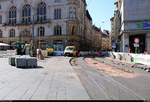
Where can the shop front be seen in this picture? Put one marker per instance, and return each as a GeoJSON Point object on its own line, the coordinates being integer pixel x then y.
{"type": "Point", "coordinates": [137, 43]}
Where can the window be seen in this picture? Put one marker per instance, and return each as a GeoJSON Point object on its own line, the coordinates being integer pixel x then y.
{"type": "Point", "coordinates": [57, 30]}
{"type": "Point", "coordinates": [26, 14]}
{"type": "Point", "coordinates": [12, 15]}
{"type": "Point", "coordinates": [41, 12]}
{"type": "Point", "coordinates": [41, 31]}
{"type": "Point", "coordinates": [0, 19]}
{"type": "Point", "coordinates": [73, 30]}
{"type": "Point", "coordinates": [1, 34]}
{"type": "Point", "coordinates": [25, 33]}
{"type": "Point", "coordinates": [72, 12]}
{"type": "Point", "coordinates": [57, 14]}
{"type": "Point", "coordinates": [12, 33]}
{"type": "Point", "coordinates": [57, 1]}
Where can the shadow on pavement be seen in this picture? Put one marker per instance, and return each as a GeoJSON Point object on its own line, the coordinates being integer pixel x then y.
{"type": "Point", "coordinates": [38, 67]}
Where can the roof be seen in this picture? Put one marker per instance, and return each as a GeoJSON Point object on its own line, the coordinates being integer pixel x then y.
{"type": "Point", "coordinates": [106, 32]}
{"type": "Point", "coordinates": [88, 15]}
{"type": "Point", "coordinates": [3, 44]}
{"type": "Point", "coordinates": [84, 1]}
{"type": "Point", "coordinates": [96, 28]}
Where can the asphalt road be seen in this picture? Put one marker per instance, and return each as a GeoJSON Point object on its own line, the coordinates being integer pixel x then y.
{"type": "Point", "coordinates": [102, 86]}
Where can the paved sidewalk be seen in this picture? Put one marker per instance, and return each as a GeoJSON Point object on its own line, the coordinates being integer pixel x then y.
{"type": "Point", "coordinates": [55, 81]}
{"type": "Point", "coordinates": [123, 65]}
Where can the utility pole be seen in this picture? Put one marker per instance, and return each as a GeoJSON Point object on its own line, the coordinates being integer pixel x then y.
{"type": "Point", "coordinates": [66, 34]}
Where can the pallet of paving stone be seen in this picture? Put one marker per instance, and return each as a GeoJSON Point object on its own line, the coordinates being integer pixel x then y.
{"type": "Point", "coordinates": [11, 60]}
{"type": "Point", "coordinates": [21, 63]}
{"type": "Point", "coordinates": [26, 62]}
{"type": "Point", "coordinates": [31, 62]}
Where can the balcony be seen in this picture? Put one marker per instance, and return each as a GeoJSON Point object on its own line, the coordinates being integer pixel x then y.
{"type": "Point", "coordinates": [73, 2]}
{"type": "Point", "coordinates": [27, 23]}
{"type": "Point", "coordinates": [44, 38]}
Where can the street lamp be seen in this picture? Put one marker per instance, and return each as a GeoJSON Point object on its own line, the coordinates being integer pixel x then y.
{"type": "Point", "coordinates": [33, 46]}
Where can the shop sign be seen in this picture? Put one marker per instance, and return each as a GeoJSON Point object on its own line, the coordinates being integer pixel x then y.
{"type": "Point", "coordinates": [146, 25]}
{"type": "Point", "coordinates": [139, 25]}
{"type": "Point", "coordinates": [143, 25]}
{"type": "Point", "coordinates": [136, 45]}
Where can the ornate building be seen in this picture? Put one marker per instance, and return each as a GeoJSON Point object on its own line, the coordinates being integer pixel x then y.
{"type": "Point", "coordinates": [47, 22]}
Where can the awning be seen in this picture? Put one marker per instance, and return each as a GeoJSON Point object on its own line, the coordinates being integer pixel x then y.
{"type": "Point", "coordinates": [3, 44]}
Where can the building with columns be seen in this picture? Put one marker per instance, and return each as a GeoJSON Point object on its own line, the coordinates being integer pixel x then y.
{"type": "Point", "coordinates": [48, 22]}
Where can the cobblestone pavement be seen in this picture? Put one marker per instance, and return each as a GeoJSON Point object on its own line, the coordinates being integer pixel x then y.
{"type": "Point", "coordinates": [55, 80]}
{"type": "Point", "coordinates": [106, 82]}
{"type": "Point", "coordinates": [125, 65]}
{"type": "Point", "coordinates": [6, 54]}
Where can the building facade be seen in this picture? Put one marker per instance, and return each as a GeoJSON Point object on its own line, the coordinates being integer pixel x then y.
{"type": "Point", "coordinates": [47, 22]}
{"type": "Point", "coordinates": [135, 25]}
{"type": "Point", "coordinates": [88, 31]}
{"type": "Point", "coordinates": [106, 41]}
{"type": "Point", "coordinates": [97, 38]}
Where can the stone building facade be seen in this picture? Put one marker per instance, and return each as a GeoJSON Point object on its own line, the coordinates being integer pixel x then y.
{"type": "Point", "coordinates": [97, 38]}
{"type": "Point", "coordinates": [106, 41]}
{"type": "Point", "coordinates": [88, 31]}
{"type": "Point", "coordinates": [134, 32]}
{"type": "Point", "coordinates": [47, 22]}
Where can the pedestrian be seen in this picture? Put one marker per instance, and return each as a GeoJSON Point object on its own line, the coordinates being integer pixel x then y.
{"type": "Point", "coordinates": [39, 54]}
{"type": "Point", "coordinates": [78, 53]}
{"type": "Point", "coordinates": [145, 52]}
{"type": "Point", "coordinates": [27, 49]}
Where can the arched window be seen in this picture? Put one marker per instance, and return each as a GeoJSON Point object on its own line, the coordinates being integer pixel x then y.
{"type": "Point", "coordinates": [25, 33]}
{"type": "Point", "coordinates": [26, 14]}
{"type": "Point", "coordinates": [0, 19]}
{"type": "Point", "coordinates": [12, 15]}
{"type": "Point", "coordinates": [57, 30]}
{"type": "Point", "coordinates": [73, 30]}
{"type": "Point", "coordinates": [41, 31]}
{"type": "Point", "coordinates": [1, 34]}
{"type": "Point", "coordinates": [12, 33]}
{"type": "Point", "coordinates": [72, 13]}
{"type": "Point", "coordinates": [41, 12]}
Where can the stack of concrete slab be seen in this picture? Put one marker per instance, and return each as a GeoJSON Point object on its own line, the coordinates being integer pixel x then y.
{"type": "Point", "coordinates": [23, 61]}
{"type": "Point", "coordinates": [12, 60]}
{"type": "Point", "coordinates": [31, 62]}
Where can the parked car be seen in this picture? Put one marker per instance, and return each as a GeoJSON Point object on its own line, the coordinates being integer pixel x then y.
{"type": "Point", "coordinates": [70, 51]}
{"type": "Point", "coordinates": [50, 51]}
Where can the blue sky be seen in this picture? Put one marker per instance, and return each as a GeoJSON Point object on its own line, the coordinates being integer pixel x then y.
{"type": "Point", "coordinates": [101, 11]}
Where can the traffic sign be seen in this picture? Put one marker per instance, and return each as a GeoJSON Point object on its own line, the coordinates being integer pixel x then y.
{"type": "Point", "coordinates": [136, 40]}
{"type": "Point", "coordinates": [136, 45]}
